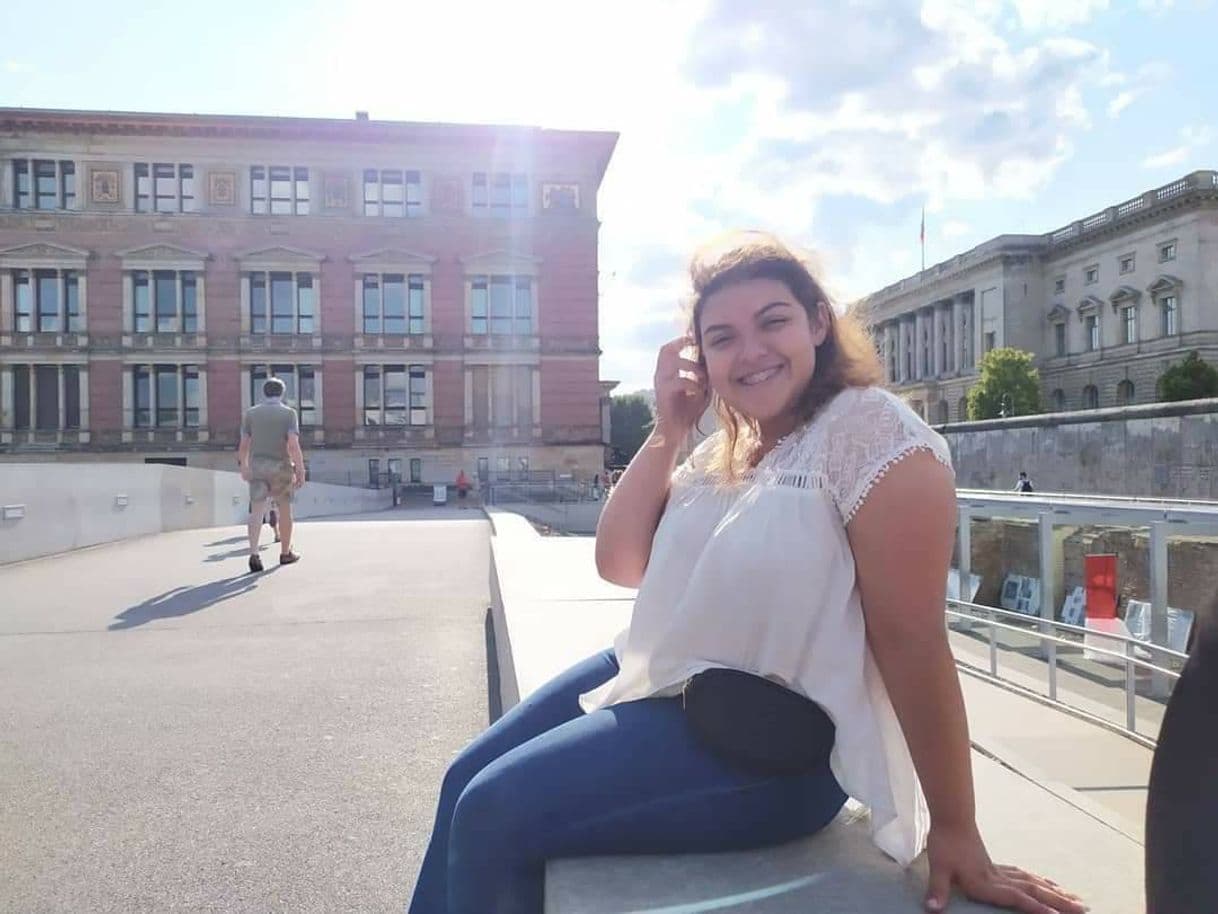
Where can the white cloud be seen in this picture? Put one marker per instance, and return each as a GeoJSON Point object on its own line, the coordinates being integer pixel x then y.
{"type": "Point", "coordinates": [1192, 139]}
{"type": "Point", "coordinates": [891, 104]}
{"type": "Point", "coordinates": [1057, 14]}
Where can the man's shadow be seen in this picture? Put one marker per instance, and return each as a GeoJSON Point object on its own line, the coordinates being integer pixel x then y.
{"type": "Point", "coordinates": [182, 601]}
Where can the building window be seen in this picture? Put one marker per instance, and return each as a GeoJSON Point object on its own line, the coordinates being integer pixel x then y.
{"type": "Point", "coordinates": [1059, 285]}
{"type": "Point", "coordinates": [47, 301]}
{"type": "Point", "coordinates": [1170, 312]}
{"type": "Point", "coordinates": [300, 388]}
{"type": "Point", "coordinates": [1058, 399]}
{"type": "Point", "coordinates": [42, 383]}
{"type": "Point", "coordinates": [1091, 325]}
{"type": "Point", "coordinates": [44, 184]}
{"type": "Point", "coordinates": [392, 192]}
{"type": "Point", "coordinates": [416, 469]}
{"type": "Point", "coordinates": [393, 303]}
{"type": "Point", "coordinates": [282, 302]}
{"type": "Point", "coordinates": [163, 187]}
{"type": "Point", "coordinates": [1091, 275]}
{"type": "Point", "coordinates": [1124, 392]}
{"type": "Point", "coordinates": [164, 301]}
{"type": "Point", "coordinates": [280, 190]}
{"type": "Point", "coordinates": [1167, 252]}
{"type": "Point", "coordinates": [1129, 324]}
{"type": "Point", "coordinates": [991, 340]}
{"type": "Point", "coordinates": [395, 395]}
{"type": "Point", "coordinates": [167, 396]}
{"type": "Point", "coordinates": [501, 193]}
{"type": "Point", "coordinates": [1127, 264]}
{"type": "Point", "coordinates": [1091, 397]}
{"type": "Point", "coordinates": [418, 395]}
{"type": "Point", "coordinates": [1059, 338]}
{"type": "Point", "coordinates": [501, 305]}
{"type": "Point", "coordinates": [374, 472]}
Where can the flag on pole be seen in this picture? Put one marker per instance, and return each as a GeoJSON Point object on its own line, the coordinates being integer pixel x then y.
{"type": "Point", "coordinates": [922, 237]}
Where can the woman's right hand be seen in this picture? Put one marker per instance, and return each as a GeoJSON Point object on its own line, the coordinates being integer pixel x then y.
{"type": "Point", "coordinates": [682, 392]}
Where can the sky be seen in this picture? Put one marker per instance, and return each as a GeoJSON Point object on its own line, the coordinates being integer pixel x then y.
{"type": "Point", "coordinates": [834, 124]}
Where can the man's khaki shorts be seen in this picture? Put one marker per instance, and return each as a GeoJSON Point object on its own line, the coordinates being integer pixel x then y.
{"type": "Point", "coordinates": [271, 479]}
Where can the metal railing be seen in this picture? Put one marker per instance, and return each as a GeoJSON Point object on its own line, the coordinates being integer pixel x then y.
{"type": "Point", "coordinates": [1044, 630]}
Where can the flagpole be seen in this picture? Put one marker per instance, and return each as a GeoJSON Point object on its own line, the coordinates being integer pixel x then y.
{"type": "Point", "coordinates": [923, 239]}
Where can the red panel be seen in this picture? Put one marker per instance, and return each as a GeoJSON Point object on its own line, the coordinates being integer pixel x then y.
{"type": "Point", "coordinates": [1100, 574]}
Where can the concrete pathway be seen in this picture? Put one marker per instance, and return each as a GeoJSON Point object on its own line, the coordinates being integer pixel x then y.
{"type": "Point", "coordinates": [178, 735]}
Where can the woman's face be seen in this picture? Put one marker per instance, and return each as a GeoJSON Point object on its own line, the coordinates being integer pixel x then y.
{"type": "Point", "coordinates": [760, 349]}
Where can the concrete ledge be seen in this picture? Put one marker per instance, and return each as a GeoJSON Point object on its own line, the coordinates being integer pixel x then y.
{"type": "Point", "coordinates": [66, 506]}
{"type": "Point", "coordinates": [550, 611]}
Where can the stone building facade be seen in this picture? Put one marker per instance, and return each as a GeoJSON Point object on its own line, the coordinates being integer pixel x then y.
{"type": "Point", "coordinates": [428, 292]}
{"type": "Point", "coordinates": [1104, 304]}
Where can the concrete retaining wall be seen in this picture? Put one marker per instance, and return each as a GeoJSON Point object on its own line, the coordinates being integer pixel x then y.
{"type": "Point", "coordinates": [47, 508]}
{"type": "Point", "coordinates": [1162, 450]}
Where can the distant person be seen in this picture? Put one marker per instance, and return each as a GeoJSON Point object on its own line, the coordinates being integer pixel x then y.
{"type": "Point", "coordinates": [1024, 485]}
{"type": "Point", "coordinates": [463, 487]}
{"type": "Point", "coordinates": [786, 649]}
{"type": "Point", "coordinates": [272, 463]}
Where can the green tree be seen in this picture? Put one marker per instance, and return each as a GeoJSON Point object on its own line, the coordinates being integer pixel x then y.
{"type": "Point", "coordinates": [1009, 385]}
{"type": "Point", "coordinates": [630, 422]}
{"type": "Point", "coordinates": [1191, 379]}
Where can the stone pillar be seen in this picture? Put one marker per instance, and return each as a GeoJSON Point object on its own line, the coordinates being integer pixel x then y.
{"type": "Point", "coordinates": [890, 342]}
{"type": "Point", "coordinates": [902, 349]}
{"type": "Point", "coordinates": [940, 336]}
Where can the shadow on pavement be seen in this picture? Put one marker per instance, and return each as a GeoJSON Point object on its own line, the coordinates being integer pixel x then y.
{"type": "Point", "coordinates": [235, 553]}
{"type": "Point", "coordinates": [228, 542]}
{"type": "Point", "coordinates": [182, 601]}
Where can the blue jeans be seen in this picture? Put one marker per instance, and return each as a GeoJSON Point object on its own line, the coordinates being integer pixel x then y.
{"type": "Point", "coordinates": [547, 780]}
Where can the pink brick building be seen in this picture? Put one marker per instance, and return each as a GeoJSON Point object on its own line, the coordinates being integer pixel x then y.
{"type": "Point", "coordinates": [427, 291]}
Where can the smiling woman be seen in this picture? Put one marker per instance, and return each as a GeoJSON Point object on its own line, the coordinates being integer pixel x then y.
{"type": "Point", "coordinates": [773, 347]}
{"type": "Point", "coordinates": [786, 649]}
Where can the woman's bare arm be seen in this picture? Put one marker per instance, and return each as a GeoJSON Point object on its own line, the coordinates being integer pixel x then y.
{"type": "Point", "coordinates": [630, 516]}
{"type": "Point", "coordinates": [902, 543]}
{"type": "Point", "coordinates": [632, 513]}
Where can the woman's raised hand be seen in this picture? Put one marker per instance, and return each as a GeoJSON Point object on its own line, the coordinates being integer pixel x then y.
{"type": "Point", "coordinates": [682, 392]}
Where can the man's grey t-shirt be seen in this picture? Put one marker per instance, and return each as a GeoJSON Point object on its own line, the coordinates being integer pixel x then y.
{"type": "Point", "coordinates": [268, 425]}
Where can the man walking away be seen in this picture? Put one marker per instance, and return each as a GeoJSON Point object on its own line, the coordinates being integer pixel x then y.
{"type": "Point", "coordinates": [273, 465]}
{"type": "Point", "coordinates": [1024, 485]}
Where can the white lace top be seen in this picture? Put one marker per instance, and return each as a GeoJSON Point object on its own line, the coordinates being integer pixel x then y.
{"type": "Point", "coordinates": [759, 577]}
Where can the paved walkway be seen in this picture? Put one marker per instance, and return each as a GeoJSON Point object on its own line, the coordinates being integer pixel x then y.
{"type": "Point", "coordinates": [178, 735]}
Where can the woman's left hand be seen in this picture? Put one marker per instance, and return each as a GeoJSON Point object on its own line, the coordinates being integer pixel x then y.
{"type": "Point", "coordinates": [958, 857]}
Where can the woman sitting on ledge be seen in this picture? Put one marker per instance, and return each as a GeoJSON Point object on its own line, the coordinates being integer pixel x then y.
{"type": "Point", "coordinates": [787, 647]}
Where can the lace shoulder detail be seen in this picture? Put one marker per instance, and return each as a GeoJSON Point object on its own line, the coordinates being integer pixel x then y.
{"type": "Point", "coordinates": [859, 435]}
{"type": "Point", "coordinates": [692, 471]}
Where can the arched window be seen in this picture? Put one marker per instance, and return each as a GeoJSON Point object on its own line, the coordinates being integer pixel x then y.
{"type": "Point", "coordinates": [1058, 400]}
{"type": "Point", "coordinates": [1091, 397]}
{"type": "Point", "coordinates": [962, 409]}
{"type": "Point", "coordinates": [1124, 393]}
